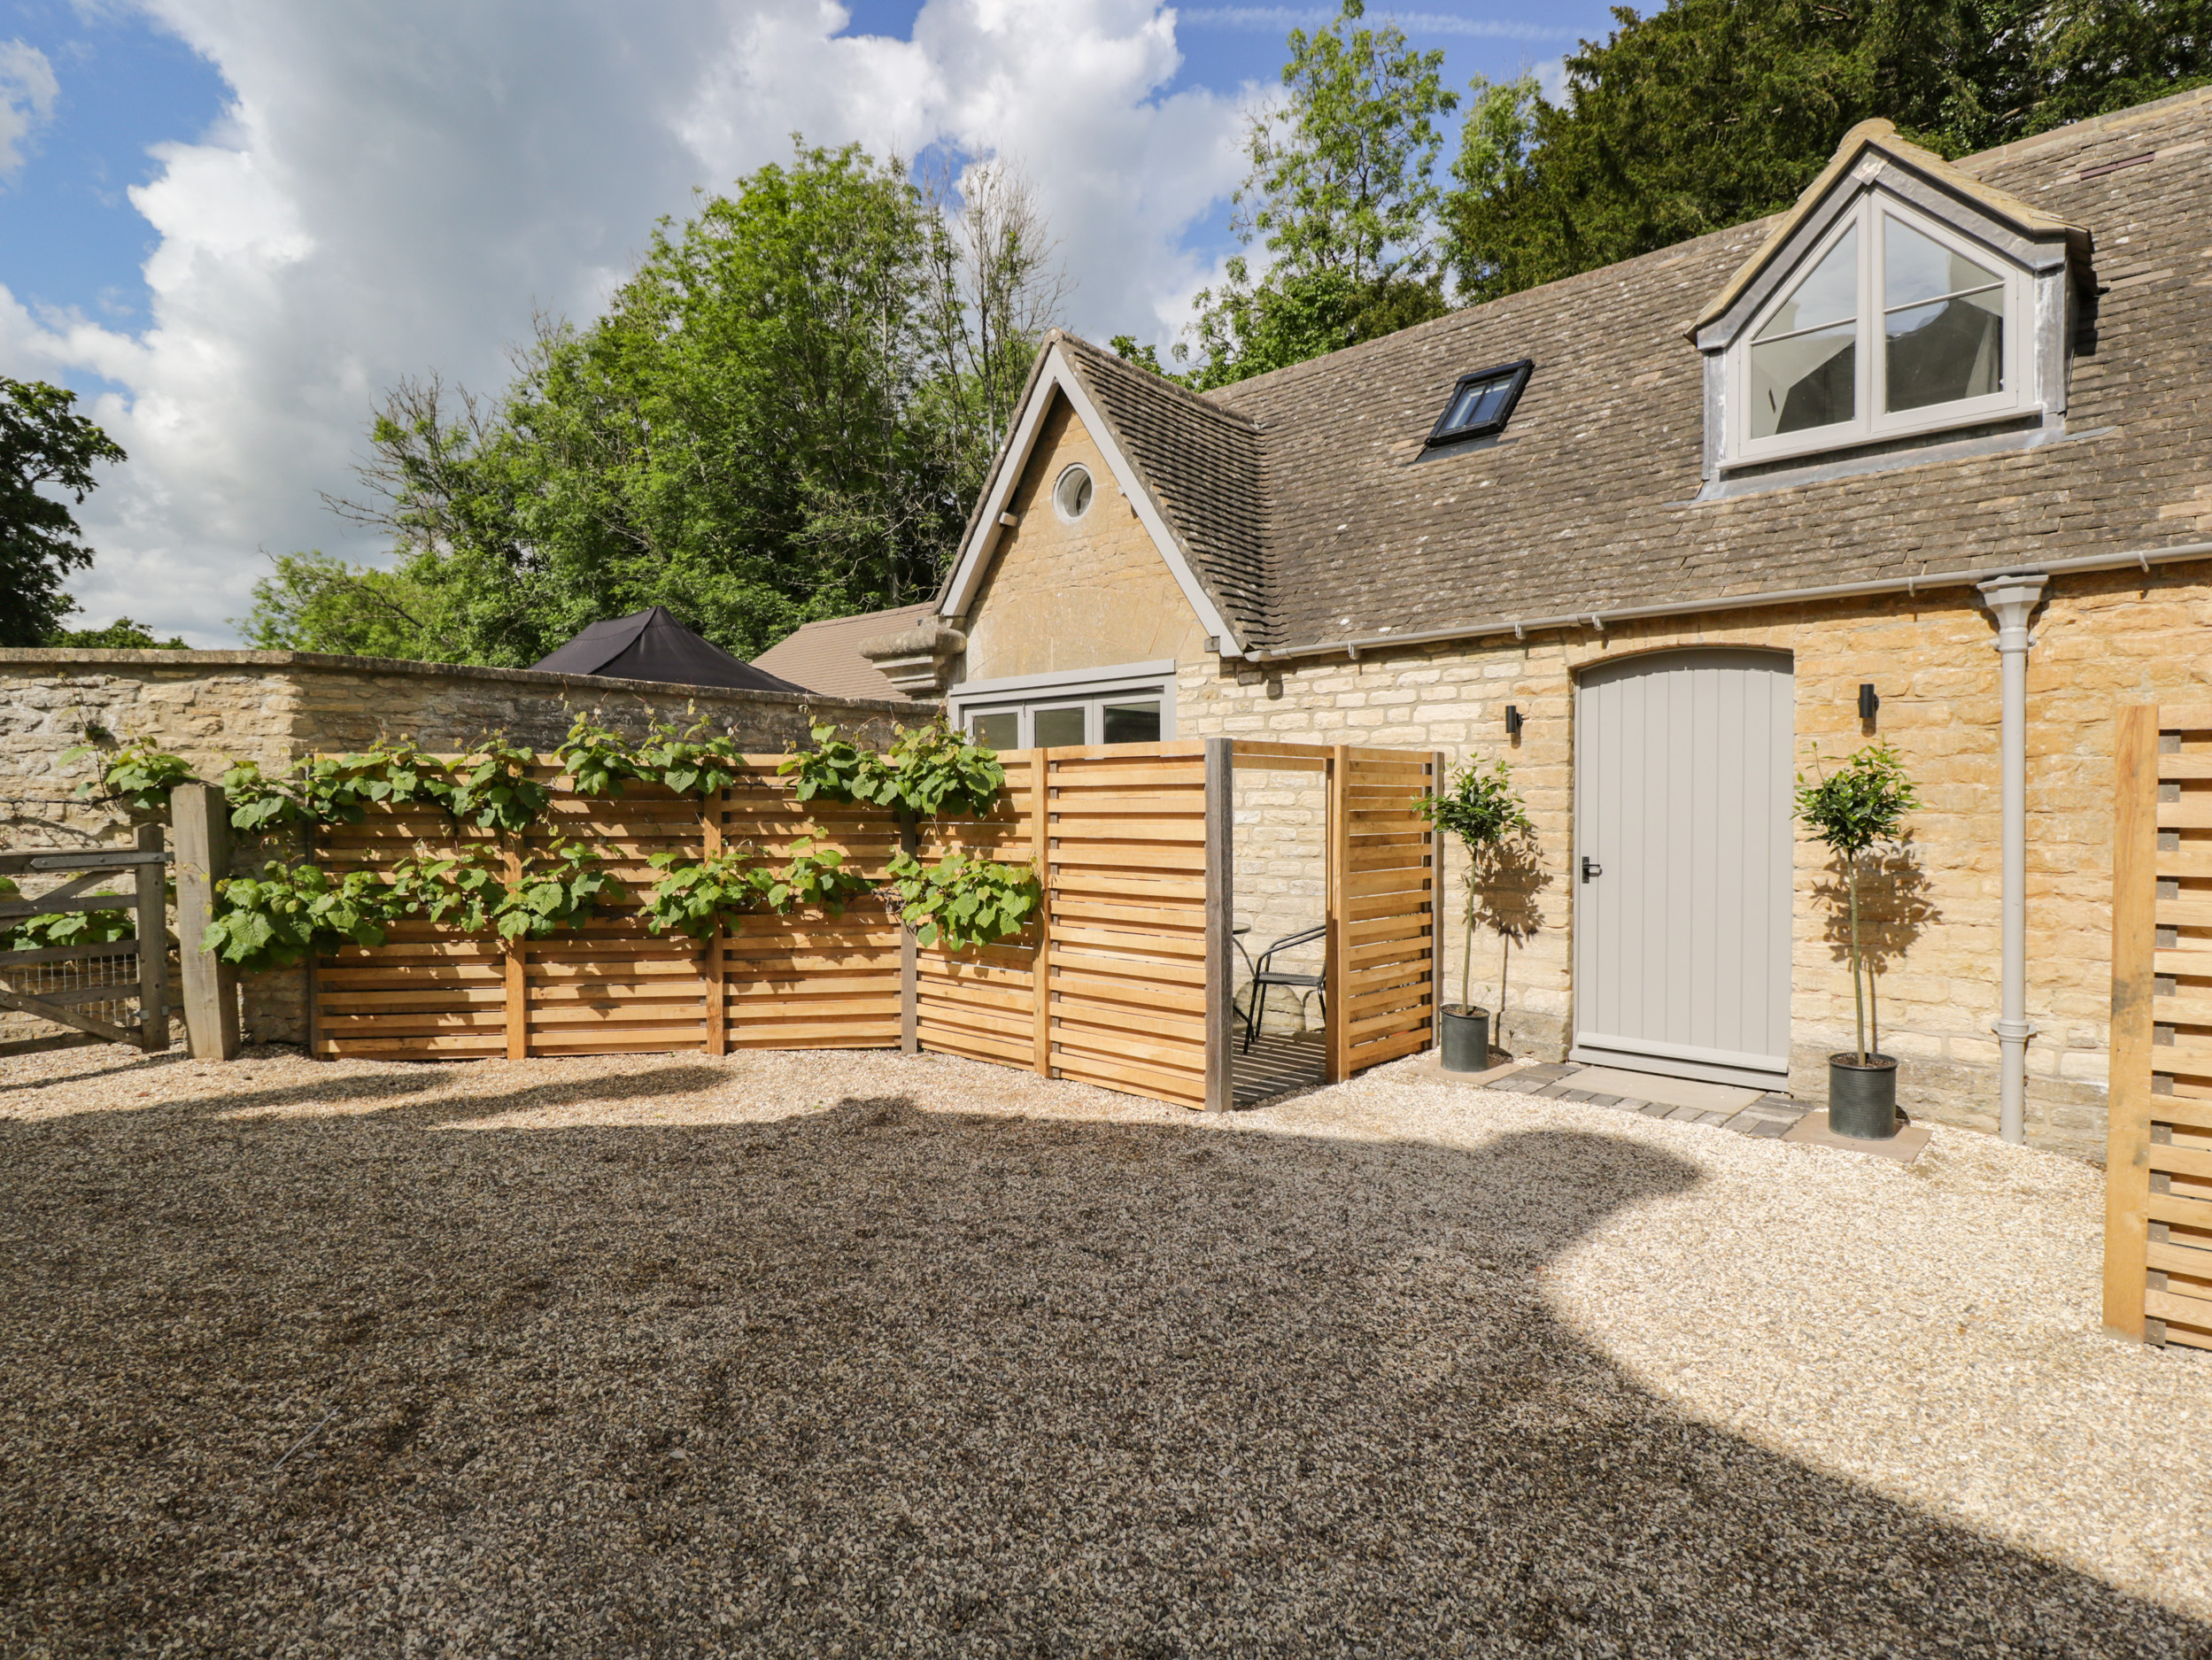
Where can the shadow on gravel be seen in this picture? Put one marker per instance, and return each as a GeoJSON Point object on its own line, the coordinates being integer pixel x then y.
{"type": "Point", "coordinates": [883, 1378]}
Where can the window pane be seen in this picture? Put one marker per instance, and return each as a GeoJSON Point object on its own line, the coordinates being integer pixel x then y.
{"type": "Point", "coordinates": [1940, 353]}
{"type": "Point", "coordinates": [1810, 381]}
{"type": "Point", "coordinates": [1477, 404]}
{"type": "Point", "coordinates": [1001, 729]}
{"type": "Point", "coordinates": [1055, 727]}
{"type": "Point", "coordinates": [1829, 293]}
{"type": "Point", "coordinates": [1132, 722]}
{"type": "Point", "coordinates": [1916, 268]}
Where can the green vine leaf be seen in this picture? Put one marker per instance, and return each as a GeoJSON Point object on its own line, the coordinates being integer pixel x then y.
{"type": "Point", "coordinates": [137, 775]}
{"type": "Point", "coordinates": [493, 790]}
{"type": "Point", "coordinates": [962, 903]}
{"type": "Point", "coordinates": [288, 913]}
{"type": "Point", "coordinates": [599, 762]}
{"type": "Point", "coordinates": [64, 928]}
{"type": "Point", "coordinates": [560, 889]}
{"type": "Point", "coordinates": [699, 897]}
{"type": "Point", "coordinates": [698, 762]}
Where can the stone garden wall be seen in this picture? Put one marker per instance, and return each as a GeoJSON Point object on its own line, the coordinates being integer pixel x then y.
{"type": "Point", "coordinates": [214, 707]}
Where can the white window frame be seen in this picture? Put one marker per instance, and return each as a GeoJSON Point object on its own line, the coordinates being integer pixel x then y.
{"type": "Point", "coordinates": [1870, 215]}
{"type": "Point", "coordinates": [1093, 687]}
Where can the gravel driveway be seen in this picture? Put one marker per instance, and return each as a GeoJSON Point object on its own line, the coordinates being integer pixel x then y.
{"type": "Point", "coordinates": [844, 1354]}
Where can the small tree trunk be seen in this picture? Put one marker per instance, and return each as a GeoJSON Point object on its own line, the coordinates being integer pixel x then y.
{"type": "Point", "coordinates": [1857, 998]}
{"type": "Point", "coordinates": [1467, 954]}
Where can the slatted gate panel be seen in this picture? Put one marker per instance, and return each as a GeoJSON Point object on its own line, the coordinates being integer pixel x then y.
{"type": "Point", "coordinates": [982, 1003]}
{"type": "Point", "coordinates": [1383, 902]}
{"type": "Point", "coordinates": [810, 980]}
{"type": "Point", "coordinates": [2158, 1239]}
{"type": "Point", "coordinates": [1124, 858]}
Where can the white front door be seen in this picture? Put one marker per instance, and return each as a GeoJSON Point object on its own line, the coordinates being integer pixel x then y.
{"type": "Point", "coordinates": [1682, 872]}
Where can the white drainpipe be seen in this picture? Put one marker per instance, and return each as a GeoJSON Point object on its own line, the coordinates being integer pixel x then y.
{"type": "Point", "coordinates": [2010, 600]}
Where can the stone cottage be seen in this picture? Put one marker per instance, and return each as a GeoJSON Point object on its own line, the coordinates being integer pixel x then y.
{"type": "Point", "coordinates": [1661, 536]}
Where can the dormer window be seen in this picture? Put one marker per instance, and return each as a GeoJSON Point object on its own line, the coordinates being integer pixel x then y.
{"type": "Point", "coordinates": [1898, 325]}
{"type": "Point", "coordinates": [1481, 404]}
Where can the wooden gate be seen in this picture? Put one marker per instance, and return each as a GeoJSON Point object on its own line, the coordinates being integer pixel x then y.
{"type": "Point", "coordinates": [2158, 1196]}
{"type": "Point", "coordinates": [63, 983]}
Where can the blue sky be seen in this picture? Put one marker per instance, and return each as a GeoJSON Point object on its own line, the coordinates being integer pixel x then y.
{"type": "Point", "coordinates": [229, 223]}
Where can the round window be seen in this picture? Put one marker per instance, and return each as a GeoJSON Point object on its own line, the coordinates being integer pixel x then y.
{"type": "Point", "coordinates": [1071, 496]}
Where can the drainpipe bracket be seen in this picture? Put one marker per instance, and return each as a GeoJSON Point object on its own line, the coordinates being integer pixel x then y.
{"type": "Point", "coordinates": [2014, 1031]}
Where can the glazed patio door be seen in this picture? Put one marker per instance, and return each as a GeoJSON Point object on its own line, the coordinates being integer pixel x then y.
{"type": "Point", "coordinates": [1681, 870]}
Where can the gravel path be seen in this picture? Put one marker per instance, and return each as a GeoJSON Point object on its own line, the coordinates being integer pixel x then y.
{"type": "Point", "coordinates": [846, 1355]}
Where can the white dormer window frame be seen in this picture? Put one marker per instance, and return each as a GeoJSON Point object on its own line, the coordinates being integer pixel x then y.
{"type": "Point", "coordinates": [1871, 224]}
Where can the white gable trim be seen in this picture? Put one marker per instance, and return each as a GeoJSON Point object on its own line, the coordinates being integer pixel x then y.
{"type": "Point", "coordinates": [975, 557]}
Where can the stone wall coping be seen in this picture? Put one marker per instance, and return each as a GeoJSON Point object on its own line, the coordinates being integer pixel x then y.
{"type": "Point", "coordinates": [324, 662]}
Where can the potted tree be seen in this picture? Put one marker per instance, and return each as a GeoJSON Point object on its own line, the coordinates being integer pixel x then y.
{"type": "Point", "coordinates": [1862, 804]}
{"type": "Point", "coordinates": [1481, 809]}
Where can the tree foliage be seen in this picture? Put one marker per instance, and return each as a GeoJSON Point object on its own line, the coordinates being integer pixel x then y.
{"type": "Point", "coordinates": [1860, 804]}
{"type": "Point", "coordinates": [1710, 113]}
{"type": "Point", "coordinates": [1342, 195]}
{"type": "Point", "coordinates": [1481, 810]}
{"type": "Point", "coordinates": [47, 452]}
{"type": "Point", "coordinates": [782, 414]}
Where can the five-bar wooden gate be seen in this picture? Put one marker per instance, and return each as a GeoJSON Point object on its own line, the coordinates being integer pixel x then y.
{"type": "Point", "coordinates": [66, 984]}
{"type": "Point", "coordinates": [2158, 1203]}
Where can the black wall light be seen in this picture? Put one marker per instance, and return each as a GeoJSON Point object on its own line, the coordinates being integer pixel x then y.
{"type": "Point", "coordinates": [1868, 702]}
{"type": "Point", "coordinates": [1512, 721]}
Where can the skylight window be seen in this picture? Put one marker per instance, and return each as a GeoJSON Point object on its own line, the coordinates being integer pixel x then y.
{"type": "Point", "coordinates": [1481, 403]}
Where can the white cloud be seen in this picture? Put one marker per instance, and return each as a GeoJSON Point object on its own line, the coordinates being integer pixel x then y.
{"type": "Point", "coordinates": [395, 188]}
{"type": "Point", "coordinates": [27, 91]}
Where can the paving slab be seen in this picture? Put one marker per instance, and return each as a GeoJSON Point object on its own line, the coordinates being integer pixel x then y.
{"type": "Point", "coordinates": [1676, 1092]}
{"type": "Point", "coordinates": [1431, 1064]}
{"type": "Point", "coordinates": [1812, 1130]}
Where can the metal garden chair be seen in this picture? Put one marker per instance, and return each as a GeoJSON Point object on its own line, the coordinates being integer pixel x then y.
{"type": "Point", "coordinates": [1265, 977]}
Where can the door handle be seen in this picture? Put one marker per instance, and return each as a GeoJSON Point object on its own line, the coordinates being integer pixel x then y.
{"type": "Point", "coordinates": [1591, 868]}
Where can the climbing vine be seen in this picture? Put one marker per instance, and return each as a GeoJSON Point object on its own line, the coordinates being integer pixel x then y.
{"type": "Point", "coordinates": [961, 903]}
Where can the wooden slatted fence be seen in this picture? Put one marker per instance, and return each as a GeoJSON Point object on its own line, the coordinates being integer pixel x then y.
{"type": "Point", "coordinates": [1123, 980]}
{"type": "Point", "coordinates": [2158, 1202]}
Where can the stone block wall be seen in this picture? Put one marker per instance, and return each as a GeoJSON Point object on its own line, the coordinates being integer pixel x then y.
{"type": "Point", "coordinates": [2102, 640]}
{"type": "Point", "coordinates": [273, 708]}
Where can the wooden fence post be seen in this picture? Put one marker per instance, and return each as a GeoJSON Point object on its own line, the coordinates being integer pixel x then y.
{"type": "Point", "coordinates": [1340, 875]}
{"type": "Point", "coordinates": [200, 816]}
{"type": "Point", "coordinates": [2128, 1104]}
{"type": "Point", "coordinates": [153, 946]}
{"type": "Point", "coordinates": [1436, 902]}
{"type": "Point", "coordinates": [517, 970]}
{"type": "Point", "coordinates": [710, 953]}
{"type": "Point", "coordinates": [1220, 918]}
{"type": "Point", "coordinates": [1040, 961]}
{"type": "Point", "coordinates": [909, 952]}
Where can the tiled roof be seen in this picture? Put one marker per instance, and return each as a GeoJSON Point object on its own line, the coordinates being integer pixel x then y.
{"type": "Point", "coordinates": [1308, 503]}
{"type": "Point", "coordinates": [824, 657]}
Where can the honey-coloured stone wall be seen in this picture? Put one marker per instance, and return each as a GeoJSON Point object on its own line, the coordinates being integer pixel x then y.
{"type": "Point", "coordinates": [273, 708]}
{"type": "Point", "coordinates": [2101, 640]}
{"type": "Point", "coordinates": [1089, 593]}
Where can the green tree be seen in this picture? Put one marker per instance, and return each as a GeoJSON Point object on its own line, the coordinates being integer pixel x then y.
{"type": "Point", "coordinates": [1711, 112]}
{"type": "Point", "coordinates": [122, 635]}
{"type": "Point", "coordinates": [1859, 805]}
{"type": "Point", "coordinates": [782, 414]}
{"type": "Point", "coordinates": [47, 451]}
{"type": "Point", "coordinates": [1341, 193]}
{"type": "Point", "coordinates": [317, 602]}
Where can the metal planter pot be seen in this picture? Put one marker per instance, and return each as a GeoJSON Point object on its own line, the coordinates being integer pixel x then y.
{"type": "Point", "coordinates": [1466, 1039]}
{"type": "Point", "coordinates": [1862, 1099]}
